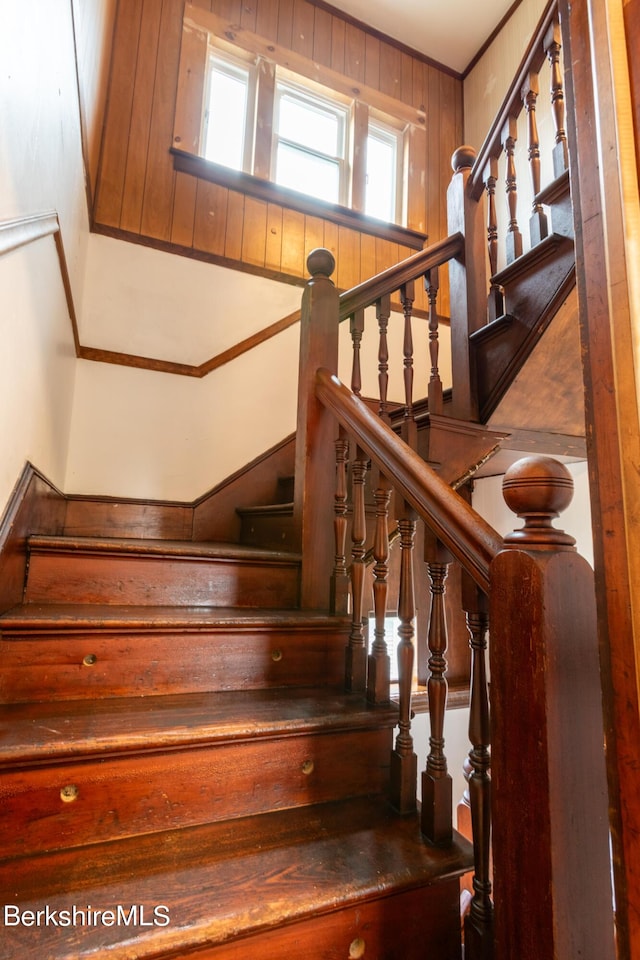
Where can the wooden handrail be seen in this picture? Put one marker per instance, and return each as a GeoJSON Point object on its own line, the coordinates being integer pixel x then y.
{"type": "Point", "coordinates": [464, 532]}
{"type": "Point", "coordinates": [512, 104]}
{"type": "Point", "coordinates": [394, 277]}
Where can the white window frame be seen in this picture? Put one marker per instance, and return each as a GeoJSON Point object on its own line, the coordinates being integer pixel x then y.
{"type": "Point", "coordinates": [301, 93]}
{"type": "Point", "coordinates": [237, 68]}
{"type": "Point", "coordinates": [386, 132]}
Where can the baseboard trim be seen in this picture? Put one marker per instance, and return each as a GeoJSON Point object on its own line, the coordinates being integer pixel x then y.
{"type": "Point", "coordinates": [35, 506]}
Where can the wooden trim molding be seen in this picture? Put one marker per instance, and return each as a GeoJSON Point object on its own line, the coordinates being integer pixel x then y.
{"type": "Point", "coordinates": [188, 369]}
{"type": "Point", "coordinates": [35, 506]}
{"type": "Point", "coordinates": [270, 192]}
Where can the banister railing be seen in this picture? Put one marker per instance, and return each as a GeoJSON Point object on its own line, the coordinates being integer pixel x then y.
{"type": "Point", "coordinates": [458, 526]}
{"type": "Point", "coordinates": [548, 777]}
{"type": "Point", "coordinates": [417, 265]}
{"type": "Point", "coordinates": [500, 145]}
{"type": "Point", "coordinates": [543, 774]}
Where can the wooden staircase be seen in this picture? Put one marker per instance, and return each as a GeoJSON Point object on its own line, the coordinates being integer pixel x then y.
{"type": "Point", "coordinates": [181, 773]}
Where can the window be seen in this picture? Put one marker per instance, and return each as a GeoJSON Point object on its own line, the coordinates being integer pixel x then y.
{"type": "Point", "coordinates": [382, 199]}
{"type": "Point", "coordinates": [269, 120]}
{"type": "Point", "coordinates": [226, 136]}
{"type": "Point", "coordinates": [309, 144]}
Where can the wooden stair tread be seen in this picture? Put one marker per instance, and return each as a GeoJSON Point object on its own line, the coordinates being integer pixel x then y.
{"type": "Point", "coordinates": [63, 730]}
{"type": "Point", "coordinates": [191, 549]}
{"type": "Point", "coordinates": [226, 880]}
{"type": "Point", "coordinates": [266, 509]}
{"type": "Point", "coordinates": [71, 616]}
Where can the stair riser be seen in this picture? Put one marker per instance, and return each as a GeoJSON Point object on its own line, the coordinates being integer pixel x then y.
{"type": "Point", "coordinates": [271, 532]}
{"type": "Point", "coordinates": [88, 665]}
{"type": "Point", "coordinates": [127, 796]}
{"type": "Point", "coordinates": [62, 578]}
{"type": "Point", "coordinates": [394, 928]}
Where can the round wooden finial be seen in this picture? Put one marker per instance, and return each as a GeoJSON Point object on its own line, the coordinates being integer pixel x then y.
{"type": "Point", "coordinates": [321, 262]}
{"type": "Point", "coordinates": [538, 489]}
{"type": "Point", "coordinates": [463, 157]}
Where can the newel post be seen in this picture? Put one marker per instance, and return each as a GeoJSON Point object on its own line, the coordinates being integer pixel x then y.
{"type": "Point", "coordinates": [467, 281]}
{"type": "Point", "coordinates": [552, 886]}
{"type": "Point", "coordinates": [316, 432]}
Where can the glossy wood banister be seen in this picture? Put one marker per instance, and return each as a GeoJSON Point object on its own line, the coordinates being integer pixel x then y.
{"type": "Point", "coordinates": [464, 532]}
{"type": "Point", "coordinates": [396, 276]}
{"type": "Point", "coordinates": [512, 104]}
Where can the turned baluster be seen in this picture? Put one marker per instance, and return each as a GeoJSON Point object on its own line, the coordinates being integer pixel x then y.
{"type": "Point", "coordinates": [339, 581]}
{"type": "Point", "coordinates": [379, 670]}
{"type": "Point", "coordinates": [434, 395]}
{"type": "Point", "coordinates": [553, 48]}
{"type": "Point", "coordinates": [383, 312]}
{"type": "Point", "coordinates": [496, 297]}
{"type": "Point", "coordinates": [436, 780]}
{"type": "Point", "coordinates": [356, 663]}
{"type": "Point", "coordinates": [404, 763]}
{"type": "Point", "coordinates": [407, 296]}
{"type": "Point", "coordinates": [514, 237]}
{"type": "Point", "coordinates": [479, 921]}
{"type": "Point", "coordinates": [538, 227]}
{"type": "Point", "coordinates": [356, 327]}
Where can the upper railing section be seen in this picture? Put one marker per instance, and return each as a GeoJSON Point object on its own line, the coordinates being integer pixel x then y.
{"type": "Point", "coordinates": [537, 121]}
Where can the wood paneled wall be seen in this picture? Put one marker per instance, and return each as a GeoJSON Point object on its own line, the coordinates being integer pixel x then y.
{"type": "Point", "coordinates": [140, 193]}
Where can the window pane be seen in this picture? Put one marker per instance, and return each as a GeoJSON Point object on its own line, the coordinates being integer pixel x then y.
{"type": "Point", "coordinates": [309, 125]}
{"type": "Point", "coordinates": [380, 199]}
{"type": "Point", "coordinates": [310, 174]}
{"type": "Point", "coordinates": [226, 121]}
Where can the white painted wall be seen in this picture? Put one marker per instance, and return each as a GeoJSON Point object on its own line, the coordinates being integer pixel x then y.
{"type": "Point", "coordinates": [40, 170]}
{"type": "Point", "coordinates": [155, 304]}
{"type": "Point", "coordinates": [138, 433]}
{"type": "Point", "coordinates": [487, 83]}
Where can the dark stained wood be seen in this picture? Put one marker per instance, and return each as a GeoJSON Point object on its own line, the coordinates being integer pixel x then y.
{"type": "Point", "coordinates": [35, 505]}
{"type": "Point", "coordinates": [535, 287]}
{"type": "Point", "coordinates": [553, 47]}
{"type": "Point", "coordinates": [379, 665]}
{"type": "Point", "coordinates": [151, 572]}
{"type": "Point", "coordinates": [514, 237]}
{"type": "Point", "coordinates": [553, 848]}
{"type": "Point", "coordinates": [404, 762]}
{"type": "Point", "coordinates": [356, 662]}
{"type": "Point", "coordinates": [478, 926]}
{"type": "Point", "coordinates": [436, 815]}
{"type": "Point", "coordinates": [471, 540]}
{"type": "Point", "coordinates": [215, 516]}
{"type": "Point", "coordinates": [468, 285]}
{"type": "Point", "coordinates": [339, 577]}
{"type": "Point", "coordinates": [178, 784]}
{"type": "Point", "coordinates": [105, 516]}
{"type": "Point", "coordinates": [357, 853]}
{"type": "Point", "coordinates": [315, 434]}
{"type": "Point", "coordinates": [67, 652]}
{"type": "Point", "coordinates": [612, 434]}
